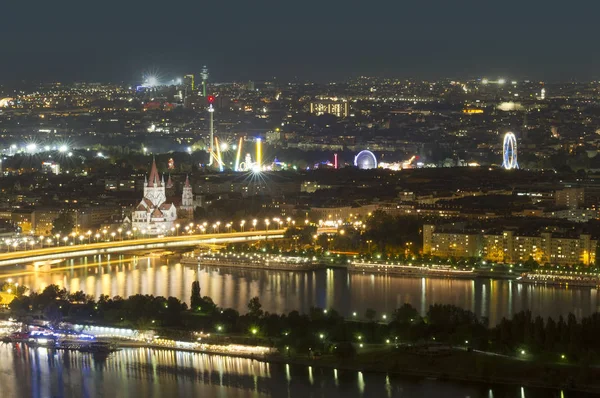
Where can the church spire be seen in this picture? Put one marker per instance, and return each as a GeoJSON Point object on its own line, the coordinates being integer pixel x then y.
{"type": "Point", "coordinates": [169, 182]}
{"type": "Point", "coordinates": [187, 181]}
{"type": "Point", "coordinates": [154, 179]}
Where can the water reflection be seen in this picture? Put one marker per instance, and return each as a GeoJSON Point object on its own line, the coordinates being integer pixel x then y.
{"type": "Point", "coordinates": [283, 291]}
{"type": "Point", "coordinates": [160, 373]}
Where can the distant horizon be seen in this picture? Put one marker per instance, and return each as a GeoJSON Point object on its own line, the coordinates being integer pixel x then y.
{"type": "Point", "coordinates": [170, 81]}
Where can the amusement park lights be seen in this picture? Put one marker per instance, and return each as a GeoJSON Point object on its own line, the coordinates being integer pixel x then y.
{"type": "Point", "coordinates": [237, 156]}
{"type": "Point", "coordinates": [365, 160]}
{"type": "Point", "coordinates": [509, 152]}
{"type": "Point", "coordinates": [258, 152]}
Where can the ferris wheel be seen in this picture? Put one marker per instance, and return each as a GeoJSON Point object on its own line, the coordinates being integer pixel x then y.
{"type": "Point", "coordinates": [509, 152]}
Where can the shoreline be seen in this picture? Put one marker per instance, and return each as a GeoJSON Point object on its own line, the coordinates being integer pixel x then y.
{"type": "Point", "coordinates": [345, 366]}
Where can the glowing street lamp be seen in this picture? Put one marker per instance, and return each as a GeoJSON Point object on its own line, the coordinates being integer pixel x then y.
{"type": "Point", "coordinates": [242, 225]}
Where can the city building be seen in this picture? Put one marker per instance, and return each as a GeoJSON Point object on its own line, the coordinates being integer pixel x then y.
{"type": "Point", "coordinates": [51, 168]}
{"type": "Point", "coordinates": [510, 247]}
{"type": "Point", "coordinates": [571, 197]}
{"type": "Point", "coordinates": [187, 201]}
{"type": "Point", "coordinates": [42, 220]}
{"type": "Point", "coordinates": [340, 109]}
{"type": "Point", "coordinates": [153, 215]}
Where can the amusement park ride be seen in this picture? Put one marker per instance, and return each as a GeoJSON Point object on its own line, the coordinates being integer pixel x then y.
{"type": "Point", "coordinates": [215, 149]}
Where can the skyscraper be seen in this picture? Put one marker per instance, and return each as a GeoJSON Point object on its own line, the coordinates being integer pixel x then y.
{"type": "Point", "coordinates": [204, 75]}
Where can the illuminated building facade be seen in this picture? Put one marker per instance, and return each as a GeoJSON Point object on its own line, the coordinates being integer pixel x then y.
{"type": "Point", "coordinates": [337, 108]}
{"type": "Point", "coordinates": [153, 214]}
{"type": "Point", "coordinates": [509, 247]}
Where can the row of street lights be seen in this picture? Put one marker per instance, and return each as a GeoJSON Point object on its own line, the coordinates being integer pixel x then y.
{"type": "Point", "coordinates": [106, 235]}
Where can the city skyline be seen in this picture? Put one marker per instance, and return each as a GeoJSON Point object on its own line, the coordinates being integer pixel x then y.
{"type": "Point", "coordinates": [310, 41]}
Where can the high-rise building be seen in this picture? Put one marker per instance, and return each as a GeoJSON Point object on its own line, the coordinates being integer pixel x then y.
{"type": "Point", "coordinates": [189, 84]}
{"type": "Point", "coordinates": [204, 75]}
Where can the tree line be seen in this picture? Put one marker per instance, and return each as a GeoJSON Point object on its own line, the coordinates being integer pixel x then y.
{"type": "Point", "coordinates": [323, 330]}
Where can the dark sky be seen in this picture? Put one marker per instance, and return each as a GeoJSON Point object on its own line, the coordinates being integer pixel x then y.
{"type": "Point", "coordinates": [322, 40]}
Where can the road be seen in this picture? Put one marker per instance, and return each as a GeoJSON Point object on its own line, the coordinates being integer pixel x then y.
{"type": "Point", "coordinates": [120, 246]}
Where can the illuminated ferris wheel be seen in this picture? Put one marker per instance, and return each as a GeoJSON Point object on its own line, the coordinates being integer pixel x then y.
{"type": "Point", "coordinates": [509, 152]}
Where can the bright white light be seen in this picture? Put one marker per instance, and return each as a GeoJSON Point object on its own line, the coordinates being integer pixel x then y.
{"type": "Point", "coordinates": [100, 154]}
{"type": "Point", "coordinates": [63, 148]}
{"type": "Point", "coordinates": [31, 147]}
{"type": "Point", "coordinates": [256, 169]}
{"type": "Point", "coordinates": [484, 81]}
{"type": "Point", "coordinates": [189, 149]}
{"type": "Point", "coordinates": [501, 81]}
{"type": "Point", "coordinates": [179, 81]}
{"type": "Point", "coordinates": [224, 146]}
{"type": "Point", "coordinates": [151, 81]}
{"type": "Point", "coordinates": [47, 148]}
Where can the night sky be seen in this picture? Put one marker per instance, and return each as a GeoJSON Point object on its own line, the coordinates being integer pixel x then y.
{"type": "Point", "coordinates": [319, 40]}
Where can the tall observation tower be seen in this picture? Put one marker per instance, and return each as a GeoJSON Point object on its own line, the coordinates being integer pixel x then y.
{"type": "Point", "coordinates": [204, 75]}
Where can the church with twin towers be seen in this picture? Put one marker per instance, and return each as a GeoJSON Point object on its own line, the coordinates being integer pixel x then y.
{"type": "Point", "coordinates": [156, 214]}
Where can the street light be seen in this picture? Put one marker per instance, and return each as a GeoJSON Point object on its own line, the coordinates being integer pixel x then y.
{"type": "Point", "coordinates": [177, 228]}
{"type": "Point", "coordinates": [119, 231]}
{"type": "Point", "coordinates": [254, 222]}
{"type": "Point", "coordinates": [242, 225]}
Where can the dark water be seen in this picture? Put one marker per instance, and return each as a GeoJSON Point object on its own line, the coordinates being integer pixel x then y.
{"type": "Point", "coordinates": [141, 372]}
{"type": "Point", "coordinates": [284, 291]}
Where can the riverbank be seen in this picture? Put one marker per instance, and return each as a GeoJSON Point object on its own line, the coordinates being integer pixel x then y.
{"type": "Point", "coordinates": [458, 365]}
{"type": "Point", "coordinates": [432, 271]}
{"type": "Point", "coordinates": [575, 279]}
{"type": "Point", "coordinates": [276, 263]}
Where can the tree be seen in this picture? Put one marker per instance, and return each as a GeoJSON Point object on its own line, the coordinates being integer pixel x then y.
{"type": "Point", "coordinates": [254, 307]}
{"type": "Point", "coordinates": [195, 298]}
{"type": "Point", "coordinates": [78, 296]}
{"type": "Point", "coordinates": [323, 241]}
{"type": "Point", "coordinates": [63, 224]}
{"type": "Point", "coordinates": [345, 350]}
{"type": "Point", "coordinates": [370, 314]}
{"type": "Point", "coordinates": [406, 313]}
{"type": "Point", "coordinates": [53, 314]}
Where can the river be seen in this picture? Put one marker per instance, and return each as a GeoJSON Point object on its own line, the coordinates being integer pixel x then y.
{"type": "Point", "coordinates": [143, 372]}
{"type": "Point", "coordinates": [284, 291]}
